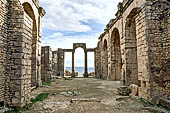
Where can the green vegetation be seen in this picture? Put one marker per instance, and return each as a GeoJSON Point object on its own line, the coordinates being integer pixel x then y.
{"type": "Point", "coordinates": [47, 84]}
{"type": "Point", "coordinates": [39, 98]}
{"type": "Point", "coordinates": [145, 103]}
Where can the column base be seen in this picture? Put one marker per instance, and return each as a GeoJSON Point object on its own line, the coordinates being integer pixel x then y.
{"type": "Point", "coordinates": [73, 75]}
{"type": "Point", "coordinates": [86, 75]}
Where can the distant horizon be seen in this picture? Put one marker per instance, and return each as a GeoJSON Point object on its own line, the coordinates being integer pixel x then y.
{"type": "Point", "coordinates": [80, 67]}
{"type": "Point", "coordinates": [80, 70]}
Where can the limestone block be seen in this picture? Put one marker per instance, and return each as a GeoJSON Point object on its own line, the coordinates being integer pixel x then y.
{"type": "Point", "coordinates": [164, 102]}
{"type": "Point", "coordinates": [124, 91]}
{"type": "Point", "coordinates": [134, 89]}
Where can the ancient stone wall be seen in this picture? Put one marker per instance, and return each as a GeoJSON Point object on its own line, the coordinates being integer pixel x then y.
{"type": "Point", "coordinates": [3, 35]}
{"type": "Point", "coordinates": [17, 32]}
{"type": "Point", "coordinates": [105, 59]}
{"type": "Point", "coordinates": [55, 63]}
{"type": "Point", "coordinates": [159, 47]}
{"type": "Point", "coordinates": [61, 56]}
{"type": "Point", "coordinates": [138, 46]}
{"type": "Point", "coordinates": [46, 64]}
{"type": "Point", "coordinates": [98, 61]}
{"type": "Point", "coordinates": [17, 86]}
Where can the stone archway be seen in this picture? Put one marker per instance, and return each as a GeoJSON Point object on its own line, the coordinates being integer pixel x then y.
{"type": "Point", "coordinates": [29, 11]}
{"type": "Point", "coordinates": [131, 71]}
{"type": "Point", "coordinates": [105, 59]}
{"type": "Point", "coordinates": [116, 58]}
{"type": "Point", "coordinates": [83, 46]}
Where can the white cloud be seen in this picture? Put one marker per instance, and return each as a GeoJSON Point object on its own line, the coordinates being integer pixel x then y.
{"type": "Point", "coordinates": [57, 40]}
{"type": "Point", "coordinates": [67, 15]}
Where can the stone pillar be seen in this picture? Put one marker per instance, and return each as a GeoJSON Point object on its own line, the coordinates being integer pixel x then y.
{"type": "Point", "coordinates": [54, 63]}
{"type": "Point", "coordinates": [95, 62]}
{"type": "Point", "coordinates": [46, 64]}
{"type": "Point", "coordinates": [98, 60]}
{"type": "Point", "coordinates": [73, 75]}
{"type": "Point", "coordinates": [85, 69]}
{"type": "Point", "coordinates": [60, 62]}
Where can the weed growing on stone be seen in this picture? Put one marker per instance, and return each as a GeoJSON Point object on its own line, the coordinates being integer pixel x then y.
{"type": "Point", "coordinates": [47, 84]}
{"type": "Point", "coordinates": [39, 98]}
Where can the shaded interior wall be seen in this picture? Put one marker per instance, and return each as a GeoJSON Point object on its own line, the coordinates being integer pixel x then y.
{"type": "Point", "coordinates": [18, 67]}
{"type": "Point", "coordinates": [55, 63]}
{"type": "Point", "coordinates": [105, 59]}
{"type": "Point", "coordinates": [3, 35]}
{"type": "Point", "coordinates": [159, 51]}
{"type": "Point", "coordinates": [46, 64]}
{"type": "Point", "coordinates": [115, 61]}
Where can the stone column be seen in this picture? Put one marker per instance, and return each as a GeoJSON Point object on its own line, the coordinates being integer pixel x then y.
{"type": "Point", "coordinates": [73, 75]}
{"type": "Point", "coordinates": [85, 69]}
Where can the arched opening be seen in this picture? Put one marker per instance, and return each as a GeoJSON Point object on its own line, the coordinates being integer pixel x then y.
{"type": "Point", "coordinates": [131, 73]}
{"type": "Point", "coordinates": [105, 45]}
{"type": "Point", "coordinates": [105, 60]}
{"type": "Point", "coordinates": [91, 64]}
{"type": "Point", "coordinates": [116, 66]}
{"type": "Point", "coordinates": [68, 64]}
{"type": "Point", "coordinates": [79, 62]}
{"type": "Point", "coordinates": [29, 11]}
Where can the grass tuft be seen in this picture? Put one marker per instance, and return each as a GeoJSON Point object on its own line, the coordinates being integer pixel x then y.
{"type": "Point", "coordinates": [47, 84]}
{"type": "Point", "coordinates": [39, 98]}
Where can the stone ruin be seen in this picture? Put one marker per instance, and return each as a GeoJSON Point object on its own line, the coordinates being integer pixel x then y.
{"type": "Point", "coordinates": [20, 50]}
{"type": "Point", "coordinates": [134, 49]}
{"type": "Point", "coordinates": [46, 64]}
{"type": "Point", "coordinates": [59, 59]}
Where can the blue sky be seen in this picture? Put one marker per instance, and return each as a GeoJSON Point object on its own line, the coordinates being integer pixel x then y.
{"type": "Point", "coordinates": [76, 21]}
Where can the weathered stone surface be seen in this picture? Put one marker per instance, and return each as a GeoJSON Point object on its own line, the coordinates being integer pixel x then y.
{"type": "Point", "coordinates": [164, 102]}
{"type": "Point", "coordinates": [155, 100]}
{"type": "Point", "coordinates": [85, 100]}
{"type": "Point", "coordinates": [124, 91]}
{"type": "Point", "coordinates": [134, 89]}
{"type": "Point", "coordinates": [135, 47]}
{"type": "Point", "coordinates": [46, 64]}
{"type": "Point", "coordinates": [19, 43]}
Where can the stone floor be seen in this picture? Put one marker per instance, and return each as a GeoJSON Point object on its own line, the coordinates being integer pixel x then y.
{"type": "Point", "coordinates": [91, 95]}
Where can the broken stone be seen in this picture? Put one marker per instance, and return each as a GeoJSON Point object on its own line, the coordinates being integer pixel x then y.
{"type": "Point", "coordinates": [164, 102]}
{"type": "Point", "coordinates": [154, 100]}
{"type": "Point", "coordinates": [70, 93]}
{"type": "Point", "coordinates": [134, 89]}
{"type": "Point", "coordinates": [124, 91]}
{"type": "Point", "coordinates": [85, 100]}
{"type": "Point", "coordinates": [122, 98]}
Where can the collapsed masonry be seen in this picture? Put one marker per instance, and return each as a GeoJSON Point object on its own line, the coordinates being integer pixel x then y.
{"type": "Point", "coordinates": [135, 47]}
{"type": "Point", "coordinates": [20, 50]}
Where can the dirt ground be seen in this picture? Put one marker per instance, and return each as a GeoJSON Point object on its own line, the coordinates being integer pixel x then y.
{"type": "Point", "coordinates": [90, 95]}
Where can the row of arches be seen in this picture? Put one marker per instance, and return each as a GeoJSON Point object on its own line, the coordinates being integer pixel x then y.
{"type": "Point", "coordinates": [120, 54]}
